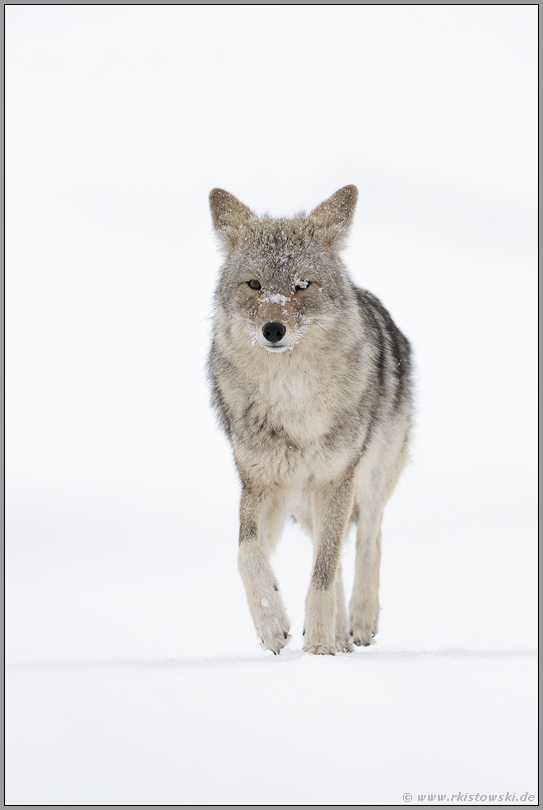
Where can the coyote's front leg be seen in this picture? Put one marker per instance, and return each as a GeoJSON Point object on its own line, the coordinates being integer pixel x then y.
{"type": "Point", "coordinates": [261, 520]}
{"type": "Point", "coordinates": [332, 507]}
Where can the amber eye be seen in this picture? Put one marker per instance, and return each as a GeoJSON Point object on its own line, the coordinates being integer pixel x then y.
{"type": "Point", "coordinates": [303, 285]}
{"type": "Point", "coordinates": [254, 284]}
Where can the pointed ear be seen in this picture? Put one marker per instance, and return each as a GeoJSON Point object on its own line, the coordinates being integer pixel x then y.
{"type": "Point", "coordinates": [333, 217]}
{"type": "Point", "coordinates": [229, 215]}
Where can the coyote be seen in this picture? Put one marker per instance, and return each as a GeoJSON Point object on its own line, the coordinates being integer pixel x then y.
{"type": "Point", "coordinates": [310, 379]}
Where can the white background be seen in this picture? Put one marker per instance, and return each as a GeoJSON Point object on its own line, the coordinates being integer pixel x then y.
{"type": "Point", "coordinates": [122, 588]}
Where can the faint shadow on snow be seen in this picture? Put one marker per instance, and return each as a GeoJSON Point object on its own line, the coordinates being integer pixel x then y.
{"type": "Point", "coordinates": [287, 656]}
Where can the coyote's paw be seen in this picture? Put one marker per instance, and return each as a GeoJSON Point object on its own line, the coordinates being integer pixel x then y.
{"type": "Point", "coordinates": [362, 633]}
{"type": "Point", "coordinates": [344, 644]}
{"type": "Point", "coordinates": [320, 649]}
{"type": "Point", "coordinates": [274, 633]}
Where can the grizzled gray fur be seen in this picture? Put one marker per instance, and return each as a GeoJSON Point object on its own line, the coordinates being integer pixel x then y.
{"type": "Point", "coordinates": [311, 381]}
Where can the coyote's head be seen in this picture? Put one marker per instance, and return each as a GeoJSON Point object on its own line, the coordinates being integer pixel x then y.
{"type": "Point", "coordinates": [280, 276]}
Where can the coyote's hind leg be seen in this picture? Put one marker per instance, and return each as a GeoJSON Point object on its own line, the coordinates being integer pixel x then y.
{"type": "Point", "coordinates": [364, 606]}
{"type": "Point", "coordinates": [343, 641]}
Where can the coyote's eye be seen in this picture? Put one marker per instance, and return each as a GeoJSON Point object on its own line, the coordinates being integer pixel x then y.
{"type": "Point", "coordinates": [303, 285]}
{"type": "Point", "coordinates": [254, 284]}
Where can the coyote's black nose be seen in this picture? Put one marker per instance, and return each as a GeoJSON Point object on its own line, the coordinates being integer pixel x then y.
{"type": "Point", "coordinates": [273, 331]}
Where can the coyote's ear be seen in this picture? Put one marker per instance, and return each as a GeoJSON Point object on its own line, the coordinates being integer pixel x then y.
{"type": "Point", "coordinates": [333, 217]}
{"type": "Point", "coordinates": [229, 214]}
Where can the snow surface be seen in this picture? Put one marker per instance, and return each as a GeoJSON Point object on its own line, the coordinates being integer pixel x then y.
{"type": "Point", "coordinates": [355, 729]}
{"type": "Point", "coordinates": [135, 675]}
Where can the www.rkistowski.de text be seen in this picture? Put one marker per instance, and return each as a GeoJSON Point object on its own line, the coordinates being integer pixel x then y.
{"type": "Point", "coordinates": [470, 798]}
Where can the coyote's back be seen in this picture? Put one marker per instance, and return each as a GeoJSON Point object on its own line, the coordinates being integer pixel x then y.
{"type": "Point", "coordinates": [311, 381]}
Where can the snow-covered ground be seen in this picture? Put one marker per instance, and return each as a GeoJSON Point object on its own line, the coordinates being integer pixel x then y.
{"type": "Point", "coordinates": [134, 674]}
{"type": "Point", "coordinates": [355, 729]}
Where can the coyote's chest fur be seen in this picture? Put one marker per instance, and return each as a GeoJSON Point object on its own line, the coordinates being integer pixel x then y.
{"type": "Point", "coordinates": [290, 434]}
